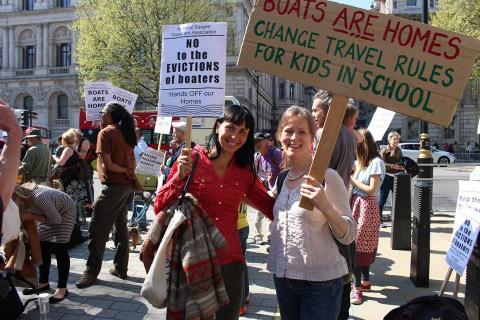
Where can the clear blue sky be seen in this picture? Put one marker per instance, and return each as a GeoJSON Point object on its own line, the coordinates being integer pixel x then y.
{"type": "Point", "coordinates": [365, 4]}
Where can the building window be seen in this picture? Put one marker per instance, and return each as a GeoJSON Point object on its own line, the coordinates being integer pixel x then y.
{"type": "Point", "coordinates": [282, 91]}
{"type": "Point", "coordinates": [449, 133]}
{"type": "Point", "coordinates": [62, 107]}
{"type": "Point", "coordinates": [411, 3]}
{"type": "Point", "coordinates": [395, 4]}
{"type": "Point", "coordinates": [292, 91]}
{"type": "Point", "coordinates": [27, 4]}
{"type": "Point", "coordinates": [433, 3]}
{"type": "Point", "coordinates": [29, 54]}
{"type": "Point", "coordinates": [63, 55]}
{"type": "Point", "coordinates": [28, 103]}
{"type": "Point", "coordinates": [1, 57]}
{"type": "Point", "coordinates": [63, 3]}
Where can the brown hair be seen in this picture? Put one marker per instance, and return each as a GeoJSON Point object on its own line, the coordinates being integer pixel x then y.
{"type": "Point", "coordinates": [367, 149]}
{"type": "Point", "coordinates": [23, 196]}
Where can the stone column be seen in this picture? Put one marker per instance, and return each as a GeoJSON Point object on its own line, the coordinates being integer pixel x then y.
{"type": "Point", "coordinates": [5, 48]}
{"type": "Point", "coordinates": [73, 47]}
{"type": "Point", "coordinates": [11, 48]}
{"type": "Point", "coordinates": [46, 56]}
{"type": "Point", "coordinates": [38, 49]}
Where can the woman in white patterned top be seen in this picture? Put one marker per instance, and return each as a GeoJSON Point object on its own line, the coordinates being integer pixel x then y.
{"type": "Point", "coordinates": [304, 256]}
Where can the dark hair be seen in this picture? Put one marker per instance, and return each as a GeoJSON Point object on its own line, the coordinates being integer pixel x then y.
{"type": "Point", "coordinates": [124, 120]}
{"type": "Point", "coordinates": [367, 149]}
{"type": "Point", "coordinates": [237, 115]}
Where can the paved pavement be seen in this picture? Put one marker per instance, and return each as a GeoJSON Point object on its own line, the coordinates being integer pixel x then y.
{"type": "Point", "coordinates": [112, 298]}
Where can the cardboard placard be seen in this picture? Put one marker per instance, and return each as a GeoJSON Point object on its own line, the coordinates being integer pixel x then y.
{"type": "Point", "coordinates": [163, 125]}
{"type": "Point", "coordinates": [97, 94]}
{"type": "Point", "coordinates": [124, 98]}
{"type": "Point", "coordinates": [402, 65]}
{"type": "Point", "coordinates": [150, 162]}
{"type": "Point", "coordinates": [380, 122]}
{"type": "Point", "coordinates": [193, 70]}
{"type": "Point", "coordinates": [466, 226]}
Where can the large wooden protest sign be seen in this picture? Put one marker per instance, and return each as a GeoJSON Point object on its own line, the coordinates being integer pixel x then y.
{"type": "Point", "coordinates": [399, 64]}
{"type": "Point", "coordinates": [97, 94]}
{"type": "Point", "coordinates": [193, 70]}
{"type": "Point", "coordinates": [466, 226]}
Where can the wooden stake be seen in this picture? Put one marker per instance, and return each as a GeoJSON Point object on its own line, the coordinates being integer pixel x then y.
{"type": "Point", "coordinates": [188, 133]}
{"type": "Point", "coordinates": [327, 142]}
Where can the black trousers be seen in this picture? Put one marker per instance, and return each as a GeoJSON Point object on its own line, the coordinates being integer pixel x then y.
{"type": "Point", "coordinates": [63, 262]}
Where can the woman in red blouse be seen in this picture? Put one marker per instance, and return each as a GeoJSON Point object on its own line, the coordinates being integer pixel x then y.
{"type": "Point", "coordinates": [224, 177]}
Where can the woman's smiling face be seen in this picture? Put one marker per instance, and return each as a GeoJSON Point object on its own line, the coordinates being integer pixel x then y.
{"type": "Point", "coordinates": [296, 137]}
{"type": "Point", "coordinates": [232, 136]}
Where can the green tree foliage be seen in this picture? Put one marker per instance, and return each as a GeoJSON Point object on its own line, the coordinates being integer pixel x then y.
{"type": "Point", "coordinates": [462, 16]}
{"type": "Point", "coordinates": [120, 40]}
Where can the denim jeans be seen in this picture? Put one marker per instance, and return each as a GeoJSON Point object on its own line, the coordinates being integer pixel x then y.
{"type": "Point", "coordinates": [385, 189]}
{"type": "Point", "coordinates": [306, 300]}
{"type": "Point", "coordinates": [139, 213]}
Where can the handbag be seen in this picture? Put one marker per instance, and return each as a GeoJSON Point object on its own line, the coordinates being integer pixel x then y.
{"type": "Point", "coordinates": [155, 286]}
{"type": "Point", "coordinates": [11, 305]}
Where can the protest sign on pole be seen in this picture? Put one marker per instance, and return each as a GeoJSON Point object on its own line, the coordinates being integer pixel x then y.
{"type": "Point", "coordinates": [96, 96]}
{"type": "Point", "coordinates": [193, 70]}
{"type": "Point", "coordinates": [466, 226]}
{"type": "Point", "coordinates": [478, 129]}
{"type": "Point", "coordinates": [163, 125]}
{"type": "Point", "coordinates": [150, 162]}
{"type": "Point", "coordinates": [124, 98]}
{"type": "Point", "coordinates": [401, 65]}
{"type": "Point", "coordinates": [380, 122]}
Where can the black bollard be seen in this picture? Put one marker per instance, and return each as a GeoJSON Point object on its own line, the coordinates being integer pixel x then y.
{"type": "Point", "coordinates": [401, 212]}
{"type": "Point", "coordinates": [420, 257]}
{"type": "Point", "coordinates": [472, 285]}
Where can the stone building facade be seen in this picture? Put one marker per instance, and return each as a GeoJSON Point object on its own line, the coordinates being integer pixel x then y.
{"type": "Point", "coordinates": [37, 69]}
{"type": "Point", "coordinates": [463, 128]}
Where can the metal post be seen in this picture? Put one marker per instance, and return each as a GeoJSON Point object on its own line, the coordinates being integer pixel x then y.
{"type": "Point", "coordinates": [420, 256]}
{"type": "Point", "coordinates": [401, 212]}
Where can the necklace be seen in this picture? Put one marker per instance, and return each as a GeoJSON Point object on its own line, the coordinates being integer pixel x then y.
{"type": "Point", "coordinates": [298, 177]}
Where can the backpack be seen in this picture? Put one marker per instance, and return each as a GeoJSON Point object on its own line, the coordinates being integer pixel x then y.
{"type": "Point", "coordinates": [91, 154]}
{"type": "Point", "coordinates": [346, 250]}
{"type": "Point", "coordinates": [427, 308]}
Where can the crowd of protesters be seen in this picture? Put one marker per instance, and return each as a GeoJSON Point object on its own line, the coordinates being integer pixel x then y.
{"type": "Point", "coordinates": [313, 256]}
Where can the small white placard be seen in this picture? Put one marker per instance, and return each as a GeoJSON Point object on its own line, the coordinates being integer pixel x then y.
{"type": "Point", "coordinates": [466, 226]}
{"type": "Point", "coordinates": [193, 70]}
{"type": "Point", "coordinates": [150, 162]}
{"type": "Point", "coordinates": [163, 125]}
{"type": "Point", "coordinates": [96, 96]}
{"type": "Point", "coordinates": [380, 122]}
{"type": "Point", "coordinates": [478, 129]}
{"type": "Point", "coordinates": [124, 97]}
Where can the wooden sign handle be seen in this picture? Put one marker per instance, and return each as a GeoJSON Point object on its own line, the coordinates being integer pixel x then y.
{"type": "Point", "coordinates": [188, 133]}
{"type": "Point", "coordinates": [325, 147]}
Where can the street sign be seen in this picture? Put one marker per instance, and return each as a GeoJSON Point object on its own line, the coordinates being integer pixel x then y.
{"type": "Point", "coordinates": [401, 65]}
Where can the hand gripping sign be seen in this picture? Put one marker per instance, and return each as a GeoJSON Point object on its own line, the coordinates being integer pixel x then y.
{"type": "Point", "coordinates": [402, 65]}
